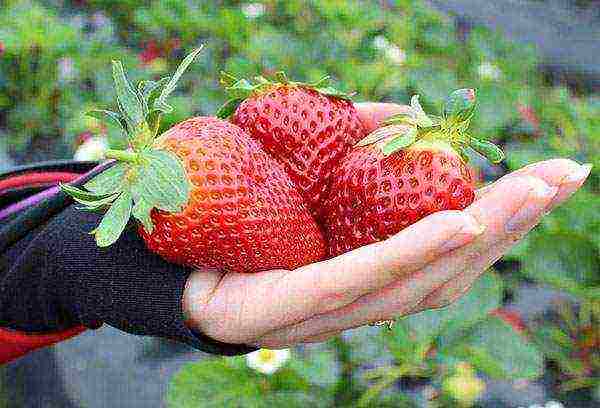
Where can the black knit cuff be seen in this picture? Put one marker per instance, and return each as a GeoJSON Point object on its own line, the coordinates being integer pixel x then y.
{"type": "Point", "coordinates": [59, 278]}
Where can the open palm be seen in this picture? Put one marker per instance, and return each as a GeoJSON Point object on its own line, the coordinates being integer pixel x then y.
{"type": "Point", "coordinates": [428, 265]}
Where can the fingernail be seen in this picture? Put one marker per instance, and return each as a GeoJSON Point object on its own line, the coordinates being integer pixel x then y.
{"type": "Point", "coordinates": [471, 229]}
{"type": "Point", "coordinates": [540, 191]}
{"type": "Point", "coordinates": [570, 184]}
{"type": "Point", "coordinates": [579, 175]}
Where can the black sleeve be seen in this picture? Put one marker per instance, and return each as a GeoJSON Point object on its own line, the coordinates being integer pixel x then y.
{"type": "Point", "coordinates": [53, 276]}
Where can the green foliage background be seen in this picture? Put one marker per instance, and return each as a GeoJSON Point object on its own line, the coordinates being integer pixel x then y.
{"type": "Point", "coordinates": [54, 66]}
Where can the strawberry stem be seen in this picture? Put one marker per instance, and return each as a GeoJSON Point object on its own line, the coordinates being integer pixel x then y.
{"type": "Point", "coordinates": [122, 155]}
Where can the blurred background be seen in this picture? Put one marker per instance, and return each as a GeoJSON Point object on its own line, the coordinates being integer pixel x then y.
{"type": "Point", "coordinates": [528, 333]}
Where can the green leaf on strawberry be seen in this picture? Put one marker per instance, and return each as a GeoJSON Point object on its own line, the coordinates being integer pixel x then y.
{"type": "Point", "coordinates": [460, 104]}
{"type": "Point", "coordinates": [400, 142]}
{"type": "Point", "coordinates": [144, 178]}
{"type": "Point", "coordinates": [451, 127]}
{"type": "Point", "coordinates": [109, 181]}
{"type": "Point", "coordinates": [114, 221]}
{"type": "Point", "coordinates": [110, 117]}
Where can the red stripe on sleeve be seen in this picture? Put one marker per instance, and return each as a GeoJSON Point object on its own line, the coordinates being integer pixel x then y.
{"type": "Point", "coordinates": [14, 344]}
{"type": "Point", "coordinates": [35, 179]}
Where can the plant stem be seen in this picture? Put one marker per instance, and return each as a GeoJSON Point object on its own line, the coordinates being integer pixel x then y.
{"type": "Point", "coordinates": [344, 392]}
{"type": "Point", "coordinates": [388, 379]}
{"type": "Point", "coordinates": [122, 155]}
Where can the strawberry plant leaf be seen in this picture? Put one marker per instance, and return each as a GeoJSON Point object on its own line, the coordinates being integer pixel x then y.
{"type": "Point", "coordinates": [487, 149]}
{"type": "Point", "coordinates": [401, 118]}
{"type": "Point", "coordinates": [564, 260]}
{"type": "Point", "coordinates": [461, 152]}
{"type": "Point", "coordinates": [400, 141]}
{"type": "Point", "coordinates": [226, 79]}
{"type": "Point", "coordinates": [79, 194]}
{"type": "Point", "coordinates": [382, 133]}
{"type": "Point", "coordinates": [240, 89]}
{"type": "Point", "coordinates": [147, 88]}
{"type": "Point", "coordinates": [421, 117]}
{"type": "Point", "coordinates": [170, 86]}
{"type": "Point", "coordinates": [153, 120]}
{"type": "Point", "coordinates": [114, 221]}
{"type": "Point", "coordinates": [143, 178]}
{"type": "Point", "coordinates": [162, 181]}
{"type": "Point", "coordinates": [141, 212]}
{"type": "Point", "coordinates": [331, 91]}
{"type": "Point", "coordinates": [109, 181]}
{"type": "Point", "coordinates": [425, 131]}
{"type": "Point", "coordinates": [460, 104]}
{"type": "Point", "coordinates": [152, 91]}
{"type": "Point", "coordinates": [501, 351]}
{"type": "Point", "coordinates": [229, 108]}
{"type": "Point", "coordinates": [108, 117]}
{"type": "Point", "coordinates": [281, 77]}
{"type": "Point", "coordinates": [96, 204]}
{"type": "Point", "coordinates": [321, 82]}
{"type": "Point", "coordinates": [127, 98]}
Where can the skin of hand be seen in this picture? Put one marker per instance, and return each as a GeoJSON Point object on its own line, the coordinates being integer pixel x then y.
{"type": "Point", "coordinates": [428, 265]}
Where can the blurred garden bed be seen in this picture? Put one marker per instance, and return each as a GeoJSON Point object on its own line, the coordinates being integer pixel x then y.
{"type": "Point", "coordinates": [54, 66]}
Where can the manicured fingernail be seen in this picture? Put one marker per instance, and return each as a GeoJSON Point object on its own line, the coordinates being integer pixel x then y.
{"type": "Point", "coordinates": [570, 184]}
{"type": "Point", "coordinates": [540, 192]}
{"type": "Point", "coordinates": [579, 175]}
{"type": "Point", "coordinates": [471, 229]}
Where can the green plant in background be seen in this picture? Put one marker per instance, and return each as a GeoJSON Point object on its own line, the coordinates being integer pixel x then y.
{"type": "Point", "coordinates": [573, 343]}
{"type": "Point", "coordinates": [50, 52]}
{"type": "Point", "coordinates": [447, 346]}
{"type": "Point", "coordinates": [48, 73]}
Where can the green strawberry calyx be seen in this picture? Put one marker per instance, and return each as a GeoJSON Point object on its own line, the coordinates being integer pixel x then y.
{"type": "Point", "coordinates": [403, 130]}
{"type": "Point", "coordinates": [142, 177]}
{"type": "Point", "coordinates": [240, 89]}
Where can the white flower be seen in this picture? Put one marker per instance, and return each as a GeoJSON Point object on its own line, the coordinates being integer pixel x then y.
{"type": "Point", "coordinates": [267, 361]}
{"type": "Point", "coordinates": [380, 42]}
{"type": "Point", "coordinates": [487, 70]}
{"type": "Point", "coordinates": [392, 52]}
{"type": "Point", "coordinates": [253, 10]}
{"type": "Point", "coordinates": [92, 149]}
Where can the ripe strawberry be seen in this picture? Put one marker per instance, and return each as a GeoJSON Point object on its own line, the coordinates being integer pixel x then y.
{"type": "Point", "coordinates": [205, 192]}
{"type": "Point", "coordinates": [244, 213]}
{"type": "Point", "coordinates": [411, 167]}
{"type": "Point", "coordinates": [307, 127]}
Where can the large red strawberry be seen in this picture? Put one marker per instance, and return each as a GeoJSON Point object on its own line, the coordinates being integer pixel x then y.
{"type": "Point", "coordinates": [307, 127]}
{"type": "Point", "coordinates": [411, 167]}
{"type": "Point", "coordinates": [206, 194]}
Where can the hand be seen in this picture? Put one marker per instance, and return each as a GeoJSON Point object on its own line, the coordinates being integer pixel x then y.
{"type": "Point", "coordinates": [428, 265]}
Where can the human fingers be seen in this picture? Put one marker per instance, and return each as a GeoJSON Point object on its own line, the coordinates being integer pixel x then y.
{"type": "Point", "coordinates": [247, 306]}
{"type": "Point", "coordinates": [511, 203]}
{"type": "Point", "coordinates": [566, 174]}
{"type": "Point", "coordinates": [371, 114]}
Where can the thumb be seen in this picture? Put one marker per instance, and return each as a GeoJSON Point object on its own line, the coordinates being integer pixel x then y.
{"type": "Point", "coordinates": [371, 114]}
